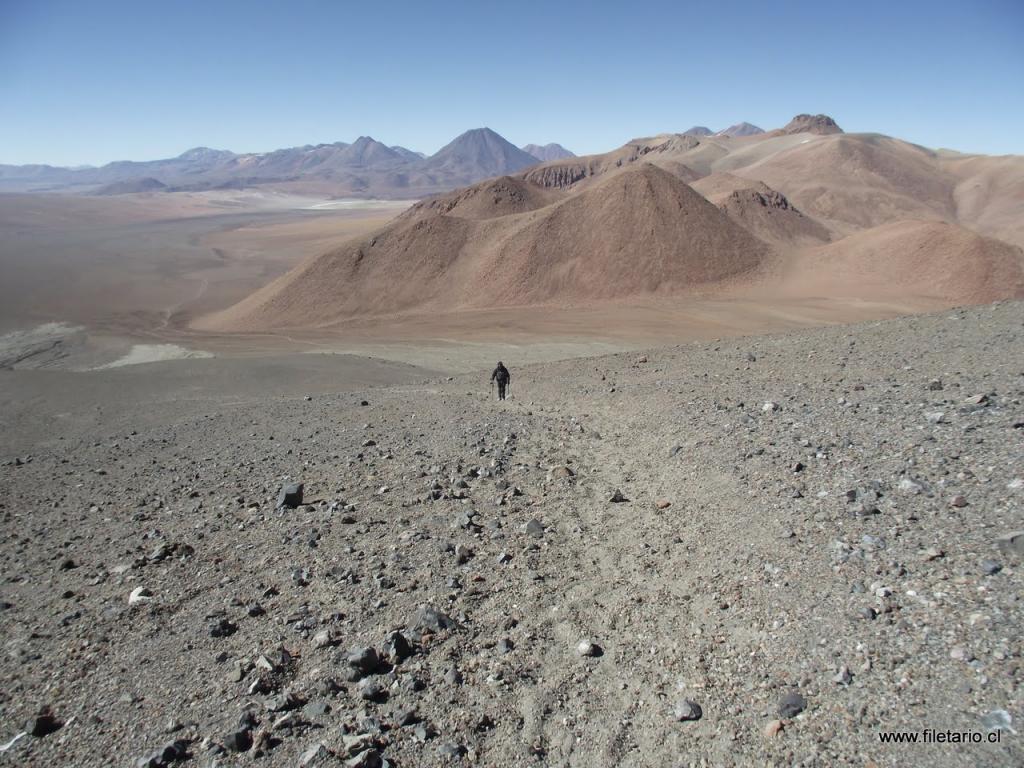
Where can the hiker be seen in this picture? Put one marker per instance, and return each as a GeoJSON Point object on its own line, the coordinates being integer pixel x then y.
{"type": "Point", "coordinates": [503, 377]}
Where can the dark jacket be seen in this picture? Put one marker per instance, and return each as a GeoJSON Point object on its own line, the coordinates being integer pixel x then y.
{"type": "Point", "coordinates": [501, 375]}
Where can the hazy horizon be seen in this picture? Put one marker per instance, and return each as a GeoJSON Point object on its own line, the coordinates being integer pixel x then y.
{"type": "Point", "coordinates": [117, 81]}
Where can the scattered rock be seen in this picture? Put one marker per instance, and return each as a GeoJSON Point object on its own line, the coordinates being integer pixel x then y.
{"type": "Point", "coordinates": [397, 648]}
{"type": "Point", "coordinates": [997, 720]}
{"type": "Point", "coordinates": [284, 702]}
{"type": "Point", "coordinates": [843, 676]}
{"type": "Point", "coordinates": [43, 723]}
{"type": "Point", "coordinates": [906, 485]}
{"type": "Point", "coordinates": [791, 705]}
{"type": "Point", "coordinates": [560, 473]}
{"type": "Point", "coordinates": [139, 595]}
{"type": "Point", "coordinates": [588, 648]}
{"type": "Point", "coordinates": [371, 758]}
{"type": "Point", "coordinates": [991, 567]}
{"type": "Point", "coordinates": [290, 495]}
{"type": "Point", "coordinates": [316, 710]}
{"type": "Point", "coordinates": [450, 751]}
{"type": "Point", "coordinates": [172, 752]}
{"type": "Point", "coordinates": [238, 741]}
{"type": "Point", "coordinates": [223, 628]}
{"type": "Point", "coordinates": [370, 689]}
{"type": "Point", "coordinates": [773, 729]}
{"type": "Point", "coordinates": [324, 639]}
{"type": "Point", "coordinates": [315, 756]}
{"type": "Point", "coordinates": [687, 710]}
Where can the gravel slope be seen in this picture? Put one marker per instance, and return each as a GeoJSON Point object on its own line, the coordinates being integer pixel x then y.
{"type": "Point", "coordinates": [798, 520]}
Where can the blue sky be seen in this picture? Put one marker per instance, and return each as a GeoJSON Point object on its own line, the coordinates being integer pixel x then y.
{"type": "Point", "coordinates": [90, 82]}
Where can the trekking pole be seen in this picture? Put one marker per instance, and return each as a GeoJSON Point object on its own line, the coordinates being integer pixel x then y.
{"type": "Point", "coordinates": [492, 387]}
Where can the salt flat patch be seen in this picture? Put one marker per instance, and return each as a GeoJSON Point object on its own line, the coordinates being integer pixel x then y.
{"type": "Point", "coordinates": [155, 353]}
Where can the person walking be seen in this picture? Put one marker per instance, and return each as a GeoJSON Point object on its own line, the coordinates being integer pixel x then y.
{"type": "Point", "coordinates": [503, 377]}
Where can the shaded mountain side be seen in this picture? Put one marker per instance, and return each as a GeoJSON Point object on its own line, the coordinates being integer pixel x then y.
{"type": "Point", "coordinates": [368, 151]}
{"type": "Point", "coordinates": [927, 259]}
{"type": "Point", "coordinates": [768, 215]}
{"type": "Point", "coordinates": [132, 186]}
{"type": "Point", "coordinates": [636, 233]}
{"type": "Point", "coordinates": [698, 130]}
{"type": "Point", "coordinates": [548, 152]}
{"type": "Point", "coordinates": [761, 210]}
{"type": "Point", "coordinates": [408, 154]}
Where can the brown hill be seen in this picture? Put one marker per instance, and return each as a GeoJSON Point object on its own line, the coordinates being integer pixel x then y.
{"type": "Point", "coordinates": [761, 210]}
{"type": "Point", "coordinates": [638, 232]}
{"type": "Point", "coordinates": [921, 259]}
{"type": "Point", "coordinates": [852, 182]}
{"type": "Point", "coordinates": [490, 199]}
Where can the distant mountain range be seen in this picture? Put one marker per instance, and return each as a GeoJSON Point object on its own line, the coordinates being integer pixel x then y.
{"type": "Point", "coordinates": [548, 151]}
{"type": "Point", "coordinates": [364, 168]}
{"type": "Point", "coordinates": [740, 129]}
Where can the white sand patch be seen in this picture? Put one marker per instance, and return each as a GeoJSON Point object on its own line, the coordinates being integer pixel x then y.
{"type": "Point", "coordinates": [357, 204]}
{"type": "Point", "coordinates": [155, 353]}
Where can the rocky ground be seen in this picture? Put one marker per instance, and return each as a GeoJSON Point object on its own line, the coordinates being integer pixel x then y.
{"type": "Point", "coordinates": [762, 551]}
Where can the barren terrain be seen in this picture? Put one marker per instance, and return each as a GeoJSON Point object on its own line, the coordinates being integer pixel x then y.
{"type": "Point", "coordinates": [810, 546]}
{"type": "Point", "coordinates": [733, 513]}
